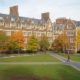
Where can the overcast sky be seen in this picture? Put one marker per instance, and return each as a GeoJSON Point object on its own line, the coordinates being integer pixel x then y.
{"type": "Point", "coordinates": [34, 8]}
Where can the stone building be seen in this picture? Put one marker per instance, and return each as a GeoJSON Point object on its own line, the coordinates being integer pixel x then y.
{"type": "Point", "coordinates": [12, 22]}
{"type": "Point", "coordinates": [70, 31]}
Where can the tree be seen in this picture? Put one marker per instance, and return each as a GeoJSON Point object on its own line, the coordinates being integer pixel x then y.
{"type": "Point", "coordinates": [33, 44]}
{"type": "Point", "coordinates": [57, 46]}
{"type": "Point", "coordinates": [60, 43]}
{"type": "Point", "coordinates": [12, 45]}
{"type": "Point", "coordinates": [44, 43]}
{"type": "Point", "coordinates": [77, 42]}
{"type": "Point", "coordinates": [16, 40]}
{"type": "Point", "coordinates": [78, 36]}
{"type": "Point", "coordinates": [3, 41]}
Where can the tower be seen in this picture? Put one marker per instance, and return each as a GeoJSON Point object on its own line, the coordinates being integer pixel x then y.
{"type": "Point", "coordinates": [14, 11]}
{"type": "Point", "coordinates": [45, 17]}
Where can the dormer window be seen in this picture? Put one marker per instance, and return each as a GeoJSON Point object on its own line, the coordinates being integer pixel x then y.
{"type": "Point", "coordinates": [12, 19]}
{"type": "Point", "coordinates": [1, 18]}
{"type": "Point", "coordinates": [22, 20]}
{"type": "Point", "coordinates": [7, 17]}
{"type": "Point", "coordinates": [32, 22]}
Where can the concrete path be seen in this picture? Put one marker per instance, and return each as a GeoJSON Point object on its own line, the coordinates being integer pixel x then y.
{"type": "Point", "coordinates": [33, 63]}
{"type": "Point", "coordinates": [74, 64]}
{"type": "Point", "coordinates": [63, 60]}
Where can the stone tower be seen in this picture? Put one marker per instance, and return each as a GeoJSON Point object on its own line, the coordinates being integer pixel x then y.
{"type": "Point", "coordinates": [14, 11]}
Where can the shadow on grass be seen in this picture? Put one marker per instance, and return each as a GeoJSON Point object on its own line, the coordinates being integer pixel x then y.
{"type": "Point", "coordinates": [22, 73]}
{"type": "Point", "coordinates": [30, 77]}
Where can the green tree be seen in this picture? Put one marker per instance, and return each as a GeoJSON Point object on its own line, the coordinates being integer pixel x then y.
{"type": "Point", "coordinates": [3, 41]}
{"type": "Point", "coordinates": [44, 43]}
{"type": "Point", "coordinates": [33, 44]}
{"type": "Point", "coordinates": [12, 45]}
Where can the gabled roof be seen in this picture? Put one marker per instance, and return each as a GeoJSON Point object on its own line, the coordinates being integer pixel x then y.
{"type": "Point", "coordinates": [22, 19]}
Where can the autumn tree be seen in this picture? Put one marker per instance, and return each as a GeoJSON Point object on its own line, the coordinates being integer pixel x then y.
{"type": "Point", "coordinates": [3, 41]}
{"type": "Point", "coordinates": [17, 40]}
{"type": "Point", "coordinates": [60, 43]}
{"type": "Point", "coordinates": [77, 41]}
{"type": "Point", "coordinates": [57, 46]}
{"type": "Point", "coordinates": [33, 44]}
{"type": "Point", "coordinates": [44, 43]}
{"type": "Point", "coordinates": [78, 36]}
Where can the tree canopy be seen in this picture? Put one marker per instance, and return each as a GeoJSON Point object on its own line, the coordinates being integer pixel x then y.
{"type": "Point", "coordinates": [33, 44]}
{"type": "Point", "coordinates": [60, 43]}
{"type": "Point", "coordinates": [17, 40]}
{"type": "Point", "coordinates": [3, 40]}
{"type": "Point", "coordinates": [44, 43]}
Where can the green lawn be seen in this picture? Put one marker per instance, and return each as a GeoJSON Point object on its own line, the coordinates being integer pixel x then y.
{"type": "Point", "coordinates": [38, 72]}
{"type": "Point", "coordinates": [73, 57]}
{"type": "Point", "coordinates": [31, 58]}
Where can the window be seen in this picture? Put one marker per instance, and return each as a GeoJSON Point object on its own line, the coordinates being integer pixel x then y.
{"type": "Point", "coordinates": [8, 33]}
{"type": "Point", "coordinates": [70, 33]}
{"type": "Point", "coordinates": [1, 18]}
{"type": "Point", "coordinates": [12, 19]}
{"type": "Point", "coordinates": [12, 24]}
{"type": "Point", "coordinates": [38, 33]}
{"type": "Point", "coordinates": [49, 34]}
{"type": "Point", "coordinates": [29, 34]}
{"type": "Point", "coordinates": [71, 40]}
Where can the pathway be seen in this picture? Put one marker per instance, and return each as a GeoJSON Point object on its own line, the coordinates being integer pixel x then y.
{"type": "Point", "coordinates": [74, 64]}
{"type": "Point", "coordinates": [63, 60]}
{"type": "Point", "coordinates": [33, 63]}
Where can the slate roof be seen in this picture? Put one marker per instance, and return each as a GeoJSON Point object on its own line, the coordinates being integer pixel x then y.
{"type": "Point", "coordinates": [58, 27]}
{"type": "Point", "coordinates": [77, 23]}
{"type": "Point", "coordinates": [22, 19]}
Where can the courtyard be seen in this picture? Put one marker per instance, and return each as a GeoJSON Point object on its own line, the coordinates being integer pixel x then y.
{"type": "Point", "coordinates": [36, 67]}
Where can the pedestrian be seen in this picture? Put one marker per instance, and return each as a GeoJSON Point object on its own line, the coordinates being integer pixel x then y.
{"type": "Point", "coordinates": [68, 59]}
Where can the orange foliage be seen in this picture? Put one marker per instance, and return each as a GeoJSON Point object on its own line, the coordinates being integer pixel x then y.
{"type": "Point", "coordinates": [18, 37]}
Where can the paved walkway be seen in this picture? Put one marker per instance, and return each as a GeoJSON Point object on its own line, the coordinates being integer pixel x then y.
{"type": "Point", "coordinates": [74, 64]}
{"type": "Point", "coordinates": [63, 60]}
{"type": "Point", "coordinates": [33, 63]}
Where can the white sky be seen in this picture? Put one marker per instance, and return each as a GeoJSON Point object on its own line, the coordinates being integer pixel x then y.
{"type": "Point", "coordinates": [34, 8]}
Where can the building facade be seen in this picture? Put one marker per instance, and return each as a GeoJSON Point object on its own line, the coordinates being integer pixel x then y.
{"type": "Point", "coordinates": [69, 28]}
{"type": "Point", "coordinates": [13, 22]}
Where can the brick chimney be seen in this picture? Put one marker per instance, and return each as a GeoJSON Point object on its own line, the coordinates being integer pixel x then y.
{"type": "Point", "coordinates": [61, 20]}
{"type": "Point", "coordinates": [45, 16]}
{"type": "Point", "coordinates": [14, 11]}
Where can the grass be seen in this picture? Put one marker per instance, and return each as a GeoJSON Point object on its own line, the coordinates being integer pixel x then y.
{"type": "Point", "coordinates": [38, 72]}
{"type": "Point", "coordinates": [31, 58]}
{"type": "Point", "coordinates": [73, 57]}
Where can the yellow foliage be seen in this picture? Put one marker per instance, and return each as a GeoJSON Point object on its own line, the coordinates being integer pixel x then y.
{"type": "Point", "coordinates": [78, 36]}
{"type": "Point", "coordinates": [63, 39]}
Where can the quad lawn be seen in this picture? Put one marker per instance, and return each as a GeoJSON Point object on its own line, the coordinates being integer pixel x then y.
{"type": "Point", "coordinates": [73, 57]}
{"type": "Point", "coordinates": [38, 72]}
{"type": "Point", "coordinates": [31, 58]}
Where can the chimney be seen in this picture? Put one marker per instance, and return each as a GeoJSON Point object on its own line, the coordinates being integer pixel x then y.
{"type": "Point", "coordinates": [45, 16]}
{"type": "Point", "coordinates": [61, 20]}
{"type": "Point", "coordinates": [14, 11]}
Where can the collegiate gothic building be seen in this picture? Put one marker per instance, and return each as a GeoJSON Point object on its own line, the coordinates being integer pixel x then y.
{"type": "Point", "coordinates": [13, 22]}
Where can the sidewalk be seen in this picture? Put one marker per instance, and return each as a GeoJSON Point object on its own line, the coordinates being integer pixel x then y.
{"type": "Point", "coordinates": [74, 64]}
